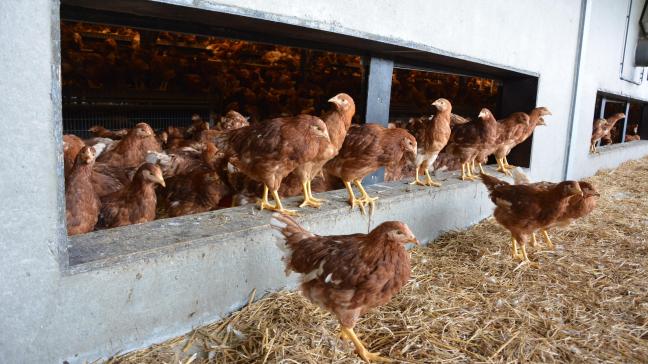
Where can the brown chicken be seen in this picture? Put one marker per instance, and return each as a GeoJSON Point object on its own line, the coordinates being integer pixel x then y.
{"type": "Point", "coordinates": [81, 201]}
{"type": "Point", "coordinates": [347, 275]}
{"type": "Point", "coordinates": [578, 206]}
{"type": "Point", "coordinates": [598, 131]}
{"type": "Point", "coordinates": [136, 202]}
{"type": "Point", "coordinates": [199, 190]}
{"type": "Point", "coordinates": [510, 129]}
{"type": "Point", "coordinates": [101, 132]}
{"type": "Point", "coordinates": [268, 151]}
{"type": "Point", "coordinates": [72, 144]}
{"type": "Point", "coordinates": [523, 209]}
{"type": "Point", "coordinates": [633, 133]}
{"type": "Point", "coordinates": [338, 122]}
{"type": "Point", "coordinates": [132, 149]}
{"type": "Point", "coordinates": [107, 179]}
{"type": "Point", "coordinates": [365, 149]}
{"type": "Point", "coordinates": [535, 118]}
{"type": "Point", "coordinates": [232, 120]}
{"type": "Point", "coordinates": [432, 138]}
{"type": "Point", "coordinates": [609, 126]}
{"type": "Point", "coordinates": [468, 139]}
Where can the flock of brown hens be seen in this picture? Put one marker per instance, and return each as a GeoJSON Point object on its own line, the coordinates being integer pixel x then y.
{"type": "Point", "coordinates": [111, 180]}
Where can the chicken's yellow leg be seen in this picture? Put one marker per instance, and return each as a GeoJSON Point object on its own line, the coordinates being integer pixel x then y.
{"type": "Point", "coordinates": [365, 196]}
{"type": "Point", "coordinates": [524, 253]}
{"type": "Point", "coordinates": [353, 200]}
{"type": "Point", "coordinates": [502, 167]}
{"type": "Point", "coordinates": [481, 169]}
{"type": "Point", "coordinates": [514, 248]}
{"type": "Point", "coordinates": [310, 193]}
{"type": "Point", "coordinates": [464, 175]}
{"type": "Point", "coordinates": [360, 349]}
{"type": "Point", "coordinates": [279, 207]}
{"type": "Point", "coordinates": [429, 181]}
{"type": "Point", "coordinates": [417, 181]}
{"type": "Point", "coordinates": [533, 240]}
{"type": "Point", "coordinates": [308, 200]}
{"type": "Point", "coordinates": [547, 239]}
{"type": "Point", "coordinates": [264, 203]}
{"type": "Point", "coordinates": [507, 165]}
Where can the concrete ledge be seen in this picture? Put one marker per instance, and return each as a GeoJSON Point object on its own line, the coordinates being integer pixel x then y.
{"type": "Point", "coordinates": [130, 287]}
{"type": "Point", "coordinates": [610, 156]}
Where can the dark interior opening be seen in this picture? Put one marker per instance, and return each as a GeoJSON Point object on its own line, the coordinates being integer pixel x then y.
{"type": "Point", "coordinates": [117, 76]}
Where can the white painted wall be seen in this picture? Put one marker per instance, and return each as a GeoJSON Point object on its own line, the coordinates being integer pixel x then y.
{"type": "Point", "coordinates": [602, 52]}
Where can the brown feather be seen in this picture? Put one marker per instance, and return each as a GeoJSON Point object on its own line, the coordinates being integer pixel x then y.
{"type": "Point", "coordinates": [81, 201]}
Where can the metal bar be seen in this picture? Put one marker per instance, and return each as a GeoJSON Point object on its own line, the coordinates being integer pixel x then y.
{"type": "Point", "coordinates": [378, 99]}
{"type": "Point", "coordinates": [602, 116]}
{"type": "Point", "coordinates": [625, 122]}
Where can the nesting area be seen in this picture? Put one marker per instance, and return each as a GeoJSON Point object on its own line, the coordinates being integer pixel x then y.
{"type": "Point", "coordinates": [468, 301]}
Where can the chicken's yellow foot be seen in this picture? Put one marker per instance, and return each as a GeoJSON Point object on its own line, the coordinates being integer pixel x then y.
{"type": "Point", "coordinates": [466, 173]}
{"type": "Point", "coordinates": [310, 193]}
{"type": "Point", "coordinates": [533, 240]}
{"type": "Point", "coordinates": [365, 196]}
{"type": "Point", "coordinates": [279, 207]}
{"type": "Point", "coordinates": [353, 200]}
{"type": "Point", "coordinates": [264, 203]}
{"type": "Point", "coordinates": [502, 168]}
{"type": "Point", "coordinates": [308, 200]}
{"type": "Point", "coordinates": [429, 181]}
{"type": "Point", "coordinates": [360, 348]}
{"type": "Point", "coordinates": [507, 165]}
{"type": "Point", "coordinates": [417, 181]}
{"type": "Point", "coordinates": [550, 245]}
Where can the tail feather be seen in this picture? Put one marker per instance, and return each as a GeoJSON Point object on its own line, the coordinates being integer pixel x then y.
{"type": "Point", "coordinates": [287, 233]}
{"type": "Point", "coordinates": [492, 182]}
{"type": "Point", "coordinates": [519, 177]}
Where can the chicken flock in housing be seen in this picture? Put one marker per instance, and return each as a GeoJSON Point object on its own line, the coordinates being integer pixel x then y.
{"type": "Point", "coordinates": [129, 176]}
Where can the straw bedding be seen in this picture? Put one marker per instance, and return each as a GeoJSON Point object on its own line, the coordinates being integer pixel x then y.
{"type": "Point", "coordinates": [468, 301]}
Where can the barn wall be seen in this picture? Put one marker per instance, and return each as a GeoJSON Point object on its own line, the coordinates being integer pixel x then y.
{"type": "Point", "coordinates": [49, 312]}
{"type": "Point", "coordinates": [602, 51]}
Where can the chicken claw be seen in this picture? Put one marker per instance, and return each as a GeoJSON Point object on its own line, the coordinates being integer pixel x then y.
{"type": "Point", "coordinates": [310, 193]}
{"type": "Point", "coordinates": [507, 165]}
{"type": "Point", "coordinates": [368, 357]}
{"type": "Point", "coordinates": [353, 200]}
{"type": "Point", "coordinates": [278, 207]}
{"type": "Point", "coordinates": [308, 199]}
{"type": "Point", "coordinates": [466, 173]}
{"type": "Point", "coordinates": [417, 181]}
{"type": "Point", "coordinates": [366, 199]}
{"type": "Point", "coordinates": [429, 181]}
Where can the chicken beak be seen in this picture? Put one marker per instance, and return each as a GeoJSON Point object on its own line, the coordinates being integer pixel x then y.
{"type": "Point", "coordinates": [414, 240]}
{"type": "Point", "coordinates": [336, 100]}
{"type": "Point", "coordinates": [160, 180]}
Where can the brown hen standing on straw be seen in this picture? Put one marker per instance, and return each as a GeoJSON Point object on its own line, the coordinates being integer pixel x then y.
{"type": "Point", "coordinates": [523, 209]}
{"type": "Point", "coordinates": [347, 274]}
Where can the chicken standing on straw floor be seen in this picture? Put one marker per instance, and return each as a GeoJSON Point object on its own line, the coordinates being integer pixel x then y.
{"type": "Point", "coordinates": [579, 206]}
{"type": "Point", "coordinates": [347, 274]}
{"type": "Point", "coordinates": [523, 209]}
